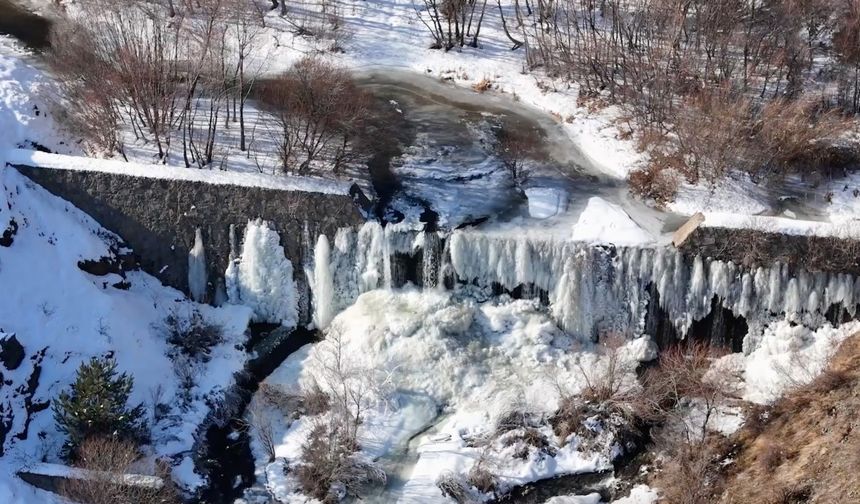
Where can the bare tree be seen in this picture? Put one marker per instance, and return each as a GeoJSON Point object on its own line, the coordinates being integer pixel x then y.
{"type": "Point", "coordinates": [134, 54]}
{"type": "Point", "coordinates": [246, 23]}
{"type": "Point", "coordinates": [319, 112]}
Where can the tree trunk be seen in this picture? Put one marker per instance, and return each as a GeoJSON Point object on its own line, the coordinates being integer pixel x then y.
{"type": "Point", "coordinates": [517, 43]}
{"type": "Point", "coordinates": [242, 102]}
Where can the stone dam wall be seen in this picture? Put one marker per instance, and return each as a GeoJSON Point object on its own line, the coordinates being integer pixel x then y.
{"type": "Point", "coordinates": [751, 248]}
{"type": "Point", "coordinates": [158, 218]}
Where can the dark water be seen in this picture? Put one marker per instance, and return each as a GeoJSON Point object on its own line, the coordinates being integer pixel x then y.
{"type": "Point", "coordinates": [228, 462]}
{"type": "Point", "coordinates": [31, 29]}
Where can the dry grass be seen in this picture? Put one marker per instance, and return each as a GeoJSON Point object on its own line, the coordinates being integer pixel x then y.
{"type": "Point", "coordinates": [107, 459]}
{"type": "Point", "coordinates": [483, 85]}
{"type": "Point", "coordinates": [482, 479]}
{"type": "Point", "coordinates": [806, 449]}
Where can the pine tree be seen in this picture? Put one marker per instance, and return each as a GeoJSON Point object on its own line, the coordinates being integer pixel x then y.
{"type": "Point", "coordinates": [97, 405]}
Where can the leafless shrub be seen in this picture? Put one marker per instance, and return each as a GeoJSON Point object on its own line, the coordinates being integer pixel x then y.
{"type": "Point", "coordinates": [527, 438]}
{"type": "Point", "coordinates": [331, 469]}
{"type": "Point", "coordinates": [275, 396]}
{"type": "Point", "coordinates": [106, 460]}
{"type": "Point", "coordinates": [795, 494]}
{"type": "Point", "coordinates": [691, 473]}
{"type": "Point", "coordinates": [658, 181]}
{"type": "Point", "coordinates": [314, 400]}
{"type": "Point", "coordinates": [568, 417]}
{"type": "Point", "coordinates": [185, 370]}
{"type": "Point", "coordinates": [512, 420]}
{"type": "Point", "coordinates": [605, 382]}
{"type": "Point", "coordinates": [682, 372]}
{"type": "Point", "coordinates": [193, 335]}
{"type": "Point", "coordinates": [481, 478]}
{"type": "Point", "coordinates": [261, 422]}
{"type": "Point", "coordinates": [454, 487]}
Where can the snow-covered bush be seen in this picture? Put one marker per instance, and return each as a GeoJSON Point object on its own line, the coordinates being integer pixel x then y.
{"type": "Point", "coordinates": [454, 487]}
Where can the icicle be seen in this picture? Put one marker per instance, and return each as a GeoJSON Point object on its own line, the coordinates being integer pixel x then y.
{"type": "Point", "coordinates": [323, 284]}
{"type": "Point", "coordinates": [197, 277]}
{"type": "Point", "coordinates": [430, 260]}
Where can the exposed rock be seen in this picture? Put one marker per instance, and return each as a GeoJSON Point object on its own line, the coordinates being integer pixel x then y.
{"type": "Point", "coordinates": [9, 233]}
{"type": "Point", "coordinates": [11, 351]}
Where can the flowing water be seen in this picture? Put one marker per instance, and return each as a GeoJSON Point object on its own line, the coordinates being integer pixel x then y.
{"type": "Point", "coordinates": [29, 28]}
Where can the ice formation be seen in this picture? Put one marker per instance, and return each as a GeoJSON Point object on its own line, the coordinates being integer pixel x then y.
{"type": "Point", "coordinates": [590, 289]}
{"type": "Point", "coordinates": [197, 268]}
{"type": "Point", "coordinates": [262, 276]}
{"type": "Point", "coordinates": [323, 284]}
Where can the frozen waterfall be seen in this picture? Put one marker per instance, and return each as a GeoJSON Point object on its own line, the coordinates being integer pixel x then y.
{"type": "Point", "coordinates": [261, 276]}
{"type": "Point", "coordinates": [590, 289]}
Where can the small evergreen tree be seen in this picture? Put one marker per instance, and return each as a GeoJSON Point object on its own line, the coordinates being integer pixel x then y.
{"type": "Point", "coordinates": [97, 405]}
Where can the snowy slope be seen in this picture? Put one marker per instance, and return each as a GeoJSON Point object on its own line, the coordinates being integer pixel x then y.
{"type": "Point", "coordinates": [63, 316]}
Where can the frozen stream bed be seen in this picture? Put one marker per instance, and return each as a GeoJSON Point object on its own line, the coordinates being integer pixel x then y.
{"type": "Point", "coordinates": [445, 160]}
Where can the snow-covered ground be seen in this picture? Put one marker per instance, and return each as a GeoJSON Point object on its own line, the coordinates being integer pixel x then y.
{"type": "Point", "coordinates": [63, 316]}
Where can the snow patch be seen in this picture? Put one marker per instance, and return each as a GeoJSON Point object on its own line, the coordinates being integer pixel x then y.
{"type": "Point", "coordinates": [605, 222]}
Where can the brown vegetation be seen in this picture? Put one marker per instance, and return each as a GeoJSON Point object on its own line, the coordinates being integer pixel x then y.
{"type": "Point", "coordinates": [805, 448]}
{"type": "Point", "coordinates": [319, 111]}
{"type": "Point", "coordinates": [719, 85]}
{"type": "Point", "coordinates": [106, 460]}
{"type": "Point", "coordinates": [331, 469]}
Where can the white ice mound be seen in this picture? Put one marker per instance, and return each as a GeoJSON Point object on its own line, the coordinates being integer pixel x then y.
{"type": "Point", "coordinates": [605, 222]}
{"type": "Point", "coordinates": [546, 202]}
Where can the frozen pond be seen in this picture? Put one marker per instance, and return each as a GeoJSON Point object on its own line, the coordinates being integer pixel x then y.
{"type": "Point", "coordinates": [444, 158]}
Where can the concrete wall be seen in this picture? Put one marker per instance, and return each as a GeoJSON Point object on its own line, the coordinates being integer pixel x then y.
{"type": "Point", "coordinates": [157, 218]}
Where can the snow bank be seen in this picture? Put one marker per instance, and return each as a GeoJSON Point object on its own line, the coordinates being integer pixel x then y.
{"type": "Point", "coordinates": [786, 355]}
{"type": "Point", "coordinates": [23, 104]}
{"type": "Point", "coordinates": [605, 222]}
{"type": "Point", "coordinates": [640, 494]}
{"type": "Point", "coordinates": [262, 277]}
{"type": "Point", "coordinates": [784, 225]}
{"type": "Point", "coordinates": [159, 171]}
